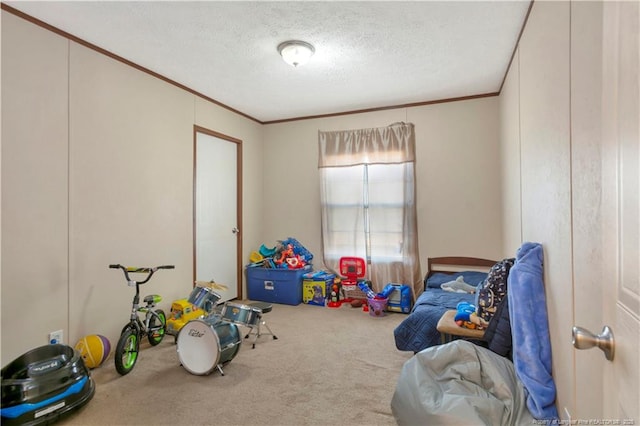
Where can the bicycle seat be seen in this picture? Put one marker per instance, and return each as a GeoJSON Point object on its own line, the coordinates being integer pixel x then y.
{"type": "Point", "coordinates": [152, 298]}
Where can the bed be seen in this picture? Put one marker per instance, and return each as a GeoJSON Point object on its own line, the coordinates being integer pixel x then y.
{"type": "Point", "coordinates": [464, 383]}
{"type": "Point", "coordinates": [418, 331]}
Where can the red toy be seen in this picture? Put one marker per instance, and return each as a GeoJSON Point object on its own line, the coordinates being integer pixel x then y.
{"type": "Point", "coordinates": [334, 295]}
{"type": "Point", "coordinates": [352, 268]}
{"type": "Point", "coordinates": [288, 258]}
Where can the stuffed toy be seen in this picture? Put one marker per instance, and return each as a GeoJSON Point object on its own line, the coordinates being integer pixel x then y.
{"type": "Point", "coordinates": [458, 286]}
{"type": "Point", "coordinates": [467, 317]}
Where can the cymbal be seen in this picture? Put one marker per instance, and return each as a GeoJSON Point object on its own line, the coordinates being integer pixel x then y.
{"type": "Point", "coordinates": [212, 284]}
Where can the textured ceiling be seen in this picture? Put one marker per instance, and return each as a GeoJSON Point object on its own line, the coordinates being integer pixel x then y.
{"type": "Point", "coordinates": [369, 54]}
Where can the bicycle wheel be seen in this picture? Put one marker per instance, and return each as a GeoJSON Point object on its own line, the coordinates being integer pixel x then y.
{"type": "Point", "coordinates": [127, 351]}
{"type": "Point", "coordinates": [159, 322]}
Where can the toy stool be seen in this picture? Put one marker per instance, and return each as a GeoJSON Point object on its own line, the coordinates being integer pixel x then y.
{"type": "Point", "coordinates": [264, 308]}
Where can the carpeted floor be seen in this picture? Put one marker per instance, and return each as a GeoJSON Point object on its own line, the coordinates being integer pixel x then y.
{"type": "Point", "coordinates": [329, 366]}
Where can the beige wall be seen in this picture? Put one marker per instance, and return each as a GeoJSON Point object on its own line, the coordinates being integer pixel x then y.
{"type": "Point", "coordinates": [458, 177]}
{"type": "Point", "coordinates": [291, 187]}
{"type": "Point", "coordinates": [223, 121]}
{"type": "Point", "coordinates": [97, 168]}
{"type": "Point", "coordinates": [510, 159]}
{"type": "Point", "coordinates": [130, 181]}
{"type": "Point", "coordinates": [538, 87]}
{"type": "Point", "coordinates": [550, 115]}
{"type": "Point", "coordinates": [34, 186]}
{"type": "Point", "coordinates": [586, 131]}
{"type": "Point", "coordinates": [545, 168]}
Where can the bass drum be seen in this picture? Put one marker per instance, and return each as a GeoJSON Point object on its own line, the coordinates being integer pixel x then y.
{"type": "Point", "coordinates": [204, 344]}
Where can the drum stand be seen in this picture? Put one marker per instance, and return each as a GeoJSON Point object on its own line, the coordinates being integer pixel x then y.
{"type": "Point", "coordinates": [219, 367]}
{"type": "Point", "coordinates": [264, 308]}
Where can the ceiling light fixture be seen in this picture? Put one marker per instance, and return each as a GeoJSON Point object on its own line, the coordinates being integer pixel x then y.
{"type": "Point", "coordinates": [296, 52]}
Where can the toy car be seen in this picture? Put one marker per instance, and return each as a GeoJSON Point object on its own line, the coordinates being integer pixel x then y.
{"type": "Point", "coordinates": [43, 385]}
{"type": "Point", "coordinates": [182, 311]}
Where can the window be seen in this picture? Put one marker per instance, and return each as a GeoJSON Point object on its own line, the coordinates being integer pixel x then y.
{"type": "Point", "coordinates": [367, 190]}
{"type": "Point", "coordinates": [365, 207]}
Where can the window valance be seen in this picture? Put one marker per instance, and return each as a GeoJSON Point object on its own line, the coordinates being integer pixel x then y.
{"type": "Point", "coordinates": [384, 145]}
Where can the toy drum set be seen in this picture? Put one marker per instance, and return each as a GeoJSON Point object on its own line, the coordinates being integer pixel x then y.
{"type": "Point", "coordinates": [204, 298]}
{"type": "Point", "coordinates": [237, 313]}
{"type": "Point", "coordinates": [207, 343]}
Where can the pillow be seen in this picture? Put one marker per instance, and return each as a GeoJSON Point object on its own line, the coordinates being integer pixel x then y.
{"type": "Point", "coordinates": [470, 277]}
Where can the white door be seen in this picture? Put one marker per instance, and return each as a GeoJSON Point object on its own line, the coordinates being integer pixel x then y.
{"type": "Point", "coordinates": [217, 227]}
{"type": "Point", "coordinates": [621, 208]}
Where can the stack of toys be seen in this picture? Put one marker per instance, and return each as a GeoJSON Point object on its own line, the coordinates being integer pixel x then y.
{"type": "Point", "coordinates": [287, 254]}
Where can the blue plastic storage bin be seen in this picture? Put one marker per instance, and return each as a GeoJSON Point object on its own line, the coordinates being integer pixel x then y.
{"type": "Point", "coordinates": [276, 285]}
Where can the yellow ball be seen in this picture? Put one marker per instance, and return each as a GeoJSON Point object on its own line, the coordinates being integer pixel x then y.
{"type": "Point", "coordinates": [94, 349]}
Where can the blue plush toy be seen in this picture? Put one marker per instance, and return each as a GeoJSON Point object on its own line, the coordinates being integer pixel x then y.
{"type": "Point", "coordinates": [465, 309]}
{"type": "Point", "coordinates": [467, 317]}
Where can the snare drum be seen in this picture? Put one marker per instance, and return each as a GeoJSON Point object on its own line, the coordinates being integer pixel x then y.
{"type": "Point", "coordinates": [204, 344]}
{"type": "Point", "coordinates": [241, 314]}
{"type": "Point", "coordinates": [204, 298]}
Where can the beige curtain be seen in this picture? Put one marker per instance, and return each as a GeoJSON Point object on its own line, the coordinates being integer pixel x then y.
{"type": "Point", "coordinates": [367, 187]}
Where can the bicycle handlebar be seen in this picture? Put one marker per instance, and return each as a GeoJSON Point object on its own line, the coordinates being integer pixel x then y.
{"type": "Point", "coordinates": [135, 270]}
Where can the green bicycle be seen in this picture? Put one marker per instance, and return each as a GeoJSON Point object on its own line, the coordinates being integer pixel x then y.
{"type": "Point", "coordinates": [153, 326]}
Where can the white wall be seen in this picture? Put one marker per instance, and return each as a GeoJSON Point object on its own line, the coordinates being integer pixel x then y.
{"type": "Point", "coordinates": [457, 167]}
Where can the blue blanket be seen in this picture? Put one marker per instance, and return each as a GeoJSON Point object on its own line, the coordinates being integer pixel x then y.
{"type": "Point", "coordinates": [418, 331]}
{"type": "Point", "coordinates": [530, 331]}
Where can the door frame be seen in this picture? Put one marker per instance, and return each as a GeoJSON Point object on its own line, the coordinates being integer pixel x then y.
{"type": "Point", "coordinates": [198, 129]}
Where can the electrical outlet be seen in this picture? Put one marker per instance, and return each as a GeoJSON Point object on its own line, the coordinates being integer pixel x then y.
{"type": "Point", "coordinates": [56, 337]}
